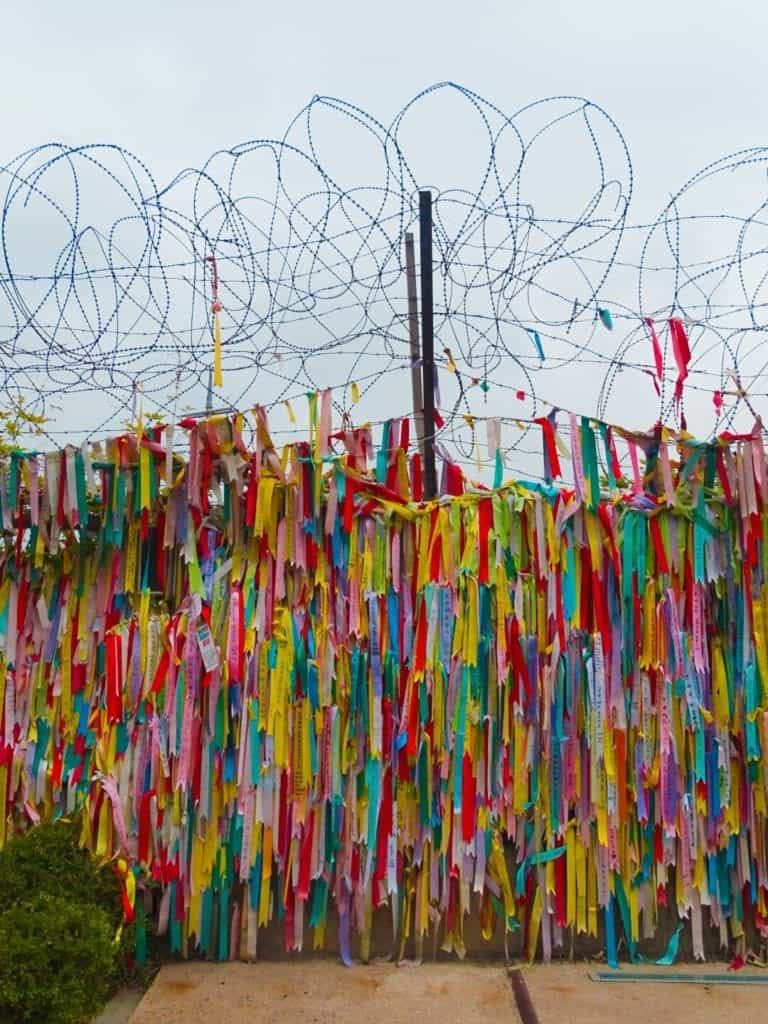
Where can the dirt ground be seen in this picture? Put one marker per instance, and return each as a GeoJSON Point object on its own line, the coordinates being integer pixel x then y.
{"type": "Point", "coordinates": [316, 992]}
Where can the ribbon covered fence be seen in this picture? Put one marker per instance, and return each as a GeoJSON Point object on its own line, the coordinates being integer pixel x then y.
{"type": "Point", "coordinates": [279, 683]}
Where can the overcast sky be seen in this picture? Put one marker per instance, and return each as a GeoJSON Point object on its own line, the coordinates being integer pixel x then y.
{"type": "Point", "coordinates": [174, 81]}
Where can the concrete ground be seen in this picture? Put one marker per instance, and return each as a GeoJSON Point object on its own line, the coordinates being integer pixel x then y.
{"type": "Point", "coordinates": [119, 1009]}
{"type": "Point", "coordinates": [564, 993]}
{"type": "Point", "coordinates": [315, 991]}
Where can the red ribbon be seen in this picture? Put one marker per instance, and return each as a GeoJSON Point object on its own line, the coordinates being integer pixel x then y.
{"type": "Point", "coordinates": [417, 487]}
{"type": "Point", "coordinates": [468, 798]}
{"type": "Point", "coordinates": [549, 444]}
{"type": "Point", "coordinates": [114, 678]}
{"type": "Point", "coordinates": [682, 353]}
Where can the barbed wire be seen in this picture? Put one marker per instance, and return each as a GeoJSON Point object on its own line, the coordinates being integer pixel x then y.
{"type": "Point", "coordinates": [545, 293]}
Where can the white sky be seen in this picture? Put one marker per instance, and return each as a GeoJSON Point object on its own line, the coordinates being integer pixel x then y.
{"type": "Point", "coordinates": [173, 81]}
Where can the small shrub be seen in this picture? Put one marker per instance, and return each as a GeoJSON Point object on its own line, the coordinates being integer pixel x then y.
{"type": "Point", "coordinates": [48, 859]}
{"type": "Point", "coordinates": [47, 864]}
{"type": "Point", "coordinates": [58, 961]}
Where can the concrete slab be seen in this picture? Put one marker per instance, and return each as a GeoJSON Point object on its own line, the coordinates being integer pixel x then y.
{"type": "Point", "coordinates": [316, 992]}
{"type": "Point", "coordinates": [565, 994]}
{"type": "Point", "coordinates": [119, 1009]}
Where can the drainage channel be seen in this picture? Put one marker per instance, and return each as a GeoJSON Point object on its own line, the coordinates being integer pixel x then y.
{"type": "Point", "coordinates": [523, 1000]}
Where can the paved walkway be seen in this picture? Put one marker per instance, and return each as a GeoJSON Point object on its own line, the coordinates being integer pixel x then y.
{"type": "Point", "coordinates": [315, 992]}
{"type": "Point", "coordinates": [564, 993]}
{"type": "Point", "coordinates": [318, 992]}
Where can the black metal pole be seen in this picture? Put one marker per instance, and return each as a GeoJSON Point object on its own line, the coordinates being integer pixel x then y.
{"type": "Point", "coordinates": [413, 335]}
{"type": "Point", "coordinates": [427, 342]}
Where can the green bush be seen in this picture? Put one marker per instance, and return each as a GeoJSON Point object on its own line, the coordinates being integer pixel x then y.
{"type": "Point", "coordinates": [58, 961]}
{"type": "Point", "coordinates": [48, 859]}
{"type": "Point", "coordinates": [59, 914]}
